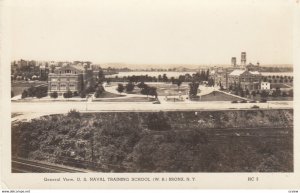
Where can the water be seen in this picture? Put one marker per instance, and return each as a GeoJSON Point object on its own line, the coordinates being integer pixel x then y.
{"type": "Point", "coordinates": [139, 73]}
{"type": "Point", "coordinates": [177, 74]}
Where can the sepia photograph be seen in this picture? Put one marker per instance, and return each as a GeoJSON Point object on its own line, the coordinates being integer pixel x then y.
{"type": "Point", "coordinates": [139, 87]}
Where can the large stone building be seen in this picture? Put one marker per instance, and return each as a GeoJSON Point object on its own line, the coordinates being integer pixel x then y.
{"type": "Point", "coordinates": [247, 80]}
{"type": "Point", "coordinates": [74, 78]}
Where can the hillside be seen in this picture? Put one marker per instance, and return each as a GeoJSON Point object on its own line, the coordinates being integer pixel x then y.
{"type": "Point", "coordinates": [206, 141]}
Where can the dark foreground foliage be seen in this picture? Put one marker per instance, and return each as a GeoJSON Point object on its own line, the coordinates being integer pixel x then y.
{"type": "Point", "coordinates": [228, 141]}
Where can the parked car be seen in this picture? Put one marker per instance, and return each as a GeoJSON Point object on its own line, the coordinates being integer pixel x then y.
{"type": "Point", "coordinates": [234, 102]}
{"type": "Point", "coordinates": [243, 101]}
{"type": "Point", "coordinates": [253, 101]}
{"type": "Point", "coordinates": [255, 107]}
{"type": "Point", "coordinates": [156, 102]}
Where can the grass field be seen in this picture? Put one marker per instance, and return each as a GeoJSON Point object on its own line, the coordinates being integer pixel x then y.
{"type": "Point", "coordinates": [131, 99]}
{"type": "Point", "coordinates": [109, 95]}
{"type": "Point", "coordinates": [19, 87]}
{"type": "Point", "coordinates": [170, 89]}
{"type": "Point", "coordinates": [206, 141]}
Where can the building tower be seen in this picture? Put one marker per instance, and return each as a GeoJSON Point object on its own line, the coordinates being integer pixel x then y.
{"type": "Point", "coordinates": [233, 61]}
{"type": "Point", "coordinates": [243, 58]}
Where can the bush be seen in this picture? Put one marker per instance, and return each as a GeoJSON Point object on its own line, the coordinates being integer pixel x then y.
{"type": "Point", "coordinates": [82, 94]}
{"type": "Point", "coordinates": [158, 122]}
{"type": "Point", "coordinates": [90, 89]}
{"type": "Point", "coordinates": [73, 113]}
{"type": "Point", "coordinates": [129, 87]}
{"type": "Point", "coordinates": [99, 91]}
{"type": "Point", "coordinates": [193, 89]}
{"type": "Point", "coordinates": [120, 88]}
{"type": "Point", "coordinates": [54, 95]}
{"type": "Point", "coordinates": [68, 94]}
{"type": "Point", "coordinates": [24, 94]}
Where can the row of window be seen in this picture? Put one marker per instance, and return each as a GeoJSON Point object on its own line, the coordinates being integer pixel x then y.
{"type": "Point", "coordinates": [63, 79]}
{"type": "Point", "coordinates": [62, 86]}
{"type": "Point", "coordinates": [68, 72]}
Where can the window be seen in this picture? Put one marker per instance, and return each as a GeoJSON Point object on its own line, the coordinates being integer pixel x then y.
{"type": "Point", "coordinates": [53, 86]}
{"type": "Point", "coordinates": [71, 86]}
{"type": "Point", "coordinates": [63, 86]}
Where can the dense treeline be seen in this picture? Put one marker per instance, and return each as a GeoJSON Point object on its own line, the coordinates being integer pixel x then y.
{"type": "Point", "coordinates": [161, 142]}
{"type": "Point", "coordinates": [196, 77]}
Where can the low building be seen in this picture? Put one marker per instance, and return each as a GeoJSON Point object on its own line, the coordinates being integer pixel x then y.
{"type": "Point", "coordinates": [244, 79]}
{"type": "Point", "coordinates": [72, 78]}
{"type": "Point", "coordinates": [265, 86]}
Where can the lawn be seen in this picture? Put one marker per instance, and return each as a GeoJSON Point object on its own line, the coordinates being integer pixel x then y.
{"type": "Point", "coordinates": [218, 96]}
{"type": "Point", "coordinates": [270, 98]}
{"type": "Point", "coordinates": [131, 99]}
{"type": "Point", "coordinates": [170, 89]}
{"type": "Point", "coordinates": [109, 95]}
{"type": "Point", "coordinates": [19, 87]}
{"type": "Point", "coordinates": [279, 85]}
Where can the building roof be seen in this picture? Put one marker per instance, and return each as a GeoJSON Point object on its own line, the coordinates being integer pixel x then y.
{"type": "Point", "coordinates": [75, 67]}
{"type": "Point", "coordinates": [254, 72]}
{"type": "Point", "coordinates": [237, 72]}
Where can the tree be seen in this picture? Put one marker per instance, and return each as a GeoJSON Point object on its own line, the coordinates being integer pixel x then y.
{"type": "Point", "coordinates": [277, 92]}
{"type": "Point", "coordinates": [24, 94]}
{"type": "Point", "coordinates": [247, 92]}
{"type": "Point", "coordinates": [193, 89]}
{"type": "Point", "coordinates": [101, 75]}
{"type": "Point", "coordinates": [165, 78]}
{"type": "Point", "coordinates": [242, 93]}
{"type": "Point", "coordinates": [99, 91]}
{"type": "Point", "coordinates": [68, 94]}
{"type": "Point", "coordinates": [152, 91]}
{"type": "Point", "coordinates": [178, 82]}
{"type": "Point", "coordinates": [54, 95]}
{"type": "Point", "coordinates": [129, 87]}
{"type": "Point", "coordinates": [158, 122]}
{"type": "Point", "coordinates": [253, 93]}
{"type": "Point", "coordinates": [264, 94]}
{"type": "Point", "coordinates": [142, 85]}
{"type": "Point", "coordinates": [120, 88]}
{"type": "Point", "coordinates": [82, 94]}
{"type": "Point", "coordinates": [145, 90]}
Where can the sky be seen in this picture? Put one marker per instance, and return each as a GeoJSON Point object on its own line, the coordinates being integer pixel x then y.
{"type": "Point", "coordinates": [152, 31]}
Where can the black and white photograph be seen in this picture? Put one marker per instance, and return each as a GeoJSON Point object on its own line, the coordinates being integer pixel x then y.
{"type": "Point", "coordinates": [141, 87]}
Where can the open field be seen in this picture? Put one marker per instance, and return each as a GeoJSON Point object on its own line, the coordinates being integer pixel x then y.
{"type": "Point", "coordinates": [19, 87]}
{"type": "Point", "coordinates": [182, 141]}
{"type": "Point", "coordinates": [170, 89]}
{"type": "Point", "coordinates": [109, 95]}
{"type": "Point", "coordinates": [131, 99]}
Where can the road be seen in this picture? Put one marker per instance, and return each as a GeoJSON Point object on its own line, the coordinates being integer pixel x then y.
{"type": "Point", "coordinates": [31, 110]}
{"type": "Point", "coordinates": [20, 165]}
